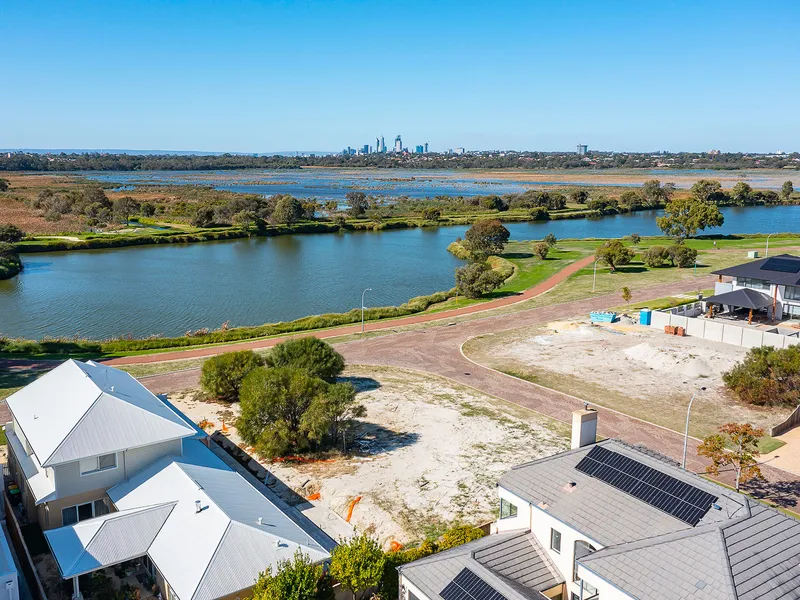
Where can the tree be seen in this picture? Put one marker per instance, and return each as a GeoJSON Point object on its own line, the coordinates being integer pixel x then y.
{"type": "Point", "coordinates": [539, 213]}
{"type": "Point", "coordinates": [735, 445]}
{"type": "Point", "coordinates": [681, 256]}
{"type": "Point", "coordinates": [684, 217]}
{"type": "Point", "coordinates": [288, 210]}
{"type": "Point", "coordinates": [654, 194]}
{"type": "Point", "coordinates": [357, 565]}
{"type": "Point", "coordinates": [10, 263]}
{"type": "Point", "coordinates": [357, 203]}
{"type": "Point", "coordinates": [541, 249]}
{"type": "Point", "coordinates": [579, 196]}
{"type": "Point", "coordinates": [273, 403]}
{"type": "Point", "coordinates": [203, 216]}
{"type": "Point", "coordinates": [626, 294]}
{"type": "Point", "coordinates": [485, 237]}
{"type": "Point", "coordinates": [614, 254]}
{"type": "Point", "coordinates": [742, 193]}
{"type": "Point", "coordinates": [222, 375]}
{"type": "Point", "coordinates": [630, 200]}
{"type": "Point", "coordinates": [635, 238]}
{"type": "Point", "coordinates": [5, 185]}
{"type": "Point", "coordinates": [11, 233]}
{"type": "Point", "coordinates": [148, 209]}
{"type": "Point", "coordinates": [295, 579]}
{"type": "Point", "coordinates": [431, 214]}
{"type": "Point", "coordinates": [477, 278]}
{"type": "Point", "coordinates": [244, 220]}
{"type": "Point", "coordinates": [656, 256]}
{"type": "Point", "coordinates": [550, 240]}
{"type": "Point", "coordinates": [786, 191]}
{"type": "Point", "coordinates": [707, 190]}
{"type": "Point", "coordinates": [767, 377]}
{"type": "Point", "coordinates": [125, 207]}
{"type": "Point", "coordinates": [314, 356]}
{"type": "Point", "coordinates": [333, 415]}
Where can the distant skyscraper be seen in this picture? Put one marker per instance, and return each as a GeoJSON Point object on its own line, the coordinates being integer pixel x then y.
{"type": "Point", "coordinates": [383, 146]}
{"type": "Point", "coordinates": [460, 150]}
{"type": "Point", "coordinates": [365, 149]}
{"type": "Point", "coordinates": [426, 147]}
{"type": "Point", "coordinates": [419, 149]}
{"type": "Point", "coordinates": [398, 144]}
{"type": "Point", "coordinates": [377, 144]}
{"type": "Point", "coordinates": [582, 149]}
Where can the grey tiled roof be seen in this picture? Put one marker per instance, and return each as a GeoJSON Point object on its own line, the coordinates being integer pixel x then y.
{"type": "Point", "coordinates": [601, 512]}
{"type": "Point", "coordinates": [762, 269]}
{"type": "Point", "coordinates": [503, 561]}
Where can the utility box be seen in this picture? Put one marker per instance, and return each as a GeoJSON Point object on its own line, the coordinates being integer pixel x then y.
{"type": "Point", "coordinates": [752, 254]}
{"type": "Point", "coordinates": [645, 316]}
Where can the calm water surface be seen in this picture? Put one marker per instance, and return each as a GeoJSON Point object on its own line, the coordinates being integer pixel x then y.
{"type": "Point", "coordinates": [169, 289]}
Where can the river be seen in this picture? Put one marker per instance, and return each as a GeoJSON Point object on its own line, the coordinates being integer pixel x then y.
{"type": "Point", "coordinates": [170, 289]}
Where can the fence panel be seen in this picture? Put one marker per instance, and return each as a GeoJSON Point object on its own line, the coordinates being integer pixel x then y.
{"type": "Point", "coordinates": [790, 423]}
{"type": "Point", "coordinates": [25, 559]}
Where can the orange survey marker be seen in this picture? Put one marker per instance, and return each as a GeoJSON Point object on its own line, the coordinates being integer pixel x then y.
{"type": "Point", "coordinates": [315, 496]}
{"type": "Point", "coordinates": [355, 501]}
{"type": "Point", "coordinates": [395, 546]}
{"type": "Point", "coordinates": [224, 428]}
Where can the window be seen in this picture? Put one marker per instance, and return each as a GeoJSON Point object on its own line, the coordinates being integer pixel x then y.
{"type": "Point", "coordinates": [82, 512]}
{"type": "Point", "coordinates": [507, 510]}
{"type": "Point", "coordinates": [792, 292]}
{"type": "Point", "coordinates": [756, 284]}
{"type": "Point", "coordinates": [575, 596]}
{"type": "Point", "coordinates": [581, 549]}
{"type": "Point", "coordinates": [555, 540]}
{"type": "Point", "coordinates": [98, 463]}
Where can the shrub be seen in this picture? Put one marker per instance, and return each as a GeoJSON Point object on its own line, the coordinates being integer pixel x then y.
{"type": "Point", "coordinates": [614, 254]}
{"type": "Point", "coordinates": [458, 535]}
{"type": "Point", "coordinates": [541, 249]}
{"type": "Point", "coordinates": [682, 256]}
{"type": "Point", "coordinates": [539, 213]}
{"type": "Point", "coordinates": [295, 579]}
{"type": "Point", "coordinates": [767, 377]}
{"type": "Point", "coordinates": [476, 279]}
{"type": "Point", "coordinates": [656, 256]}
{"type": "Point", "coordinates": [222, 375]}
{"type": "Point", "coordinates": [11, 233]}
{"type": "Point", "coordinates": [315, 357]}
{"type": "Point", "coordinates": [358, 564]}
{"type": "Point", "coordinates": [431, 214]}
{"type": "Point", "coordinates": [203, 216]}
{"type": "Point", "coordinates": [10, 263]}
{"type": "Point", "coordinates": [635, 238]}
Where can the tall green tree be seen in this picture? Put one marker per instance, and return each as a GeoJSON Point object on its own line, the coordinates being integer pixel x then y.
{"type": "Point", "coordinates": [222, 375]}
{"type": "Point", "coordinates": [486, 237]}
{"type": "Point", "coordinates": [684, 217]}
{"type": "Point", "coordinates": [707, 190]}
{"type": "Point", "coordinates": [357, 565]}
{"type": "Point", "coordinates": [742, 193]}
{"type": "Point", "coordinates": [288, 210]}
{"type": "Point", "coordinates": [357, 203]}
{"type": "Point", "coordinates": [124, 207]}
{"type": "Point", "coordinates": [333, 415]}
{"type": "Point", "coordinates": [311, 354]}
{"type": "Point", "coordinates": [295, 579]}
{"type": "Point", "coordinates": [786, 191]}
{"type": "Point", "coordinates": [654, 194]}
{"type": "Point", "coordinates": [614, 253]}
{"type": "Point", "coordinates": [477, 278]}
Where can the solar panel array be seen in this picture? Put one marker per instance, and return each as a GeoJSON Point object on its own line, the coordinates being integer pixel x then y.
{"type": "Point", "coordinates": [468, 586]}
{"type": "Point", "coordinates": [659, 490]}
{"type": "Point", "coordinates": [782, 265]}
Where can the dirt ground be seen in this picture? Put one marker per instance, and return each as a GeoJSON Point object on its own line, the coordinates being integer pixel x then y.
{"type": "Point", "coordinates": [428, 453]}
{"type": "Point", "coordinates": [635, 369]}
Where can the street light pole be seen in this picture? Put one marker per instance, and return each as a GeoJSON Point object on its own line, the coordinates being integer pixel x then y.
{"type": "Point", "coordinates": [686, 436]}
{"type": "Point", "coordinates": [362, 307]}
{"type": "Point", "coordinates": [594, 277]}
{"type": "Point", "coordinates": [766, 253]}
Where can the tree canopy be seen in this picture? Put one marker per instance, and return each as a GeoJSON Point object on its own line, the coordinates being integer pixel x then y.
{"type": "Point", "coordinates": [295, 579]}
{"type": "Point", "coordinates": [736, 445]}
{"type": "Point", "coordinates": [222, 375]}
{"type": "Point", "coordinates": [486, 237]}
{"type": "Point", "coordinates": [767, 377]}
{"type": "Point", "coordinates": [684, 217]}
{"type": "Point", "coordinates": [477, 278]}
{"type": "Point", "coordinates": [313, 355]}
{"type": "Point", "coordinates": [357, 565]}
{"type": "Point", "coordinates": [614, 253]}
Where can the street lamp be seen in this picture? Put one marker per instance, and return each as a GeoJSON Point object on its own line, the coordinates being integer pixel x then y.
{"type": "Point", "coordinates": [686, 436]}
{"type": "Point", "coordinates": [766, 253]}
{"type": "Point", "coordinates": [594, 277]}
{"type": "Point", "coordinates": [362, 307]}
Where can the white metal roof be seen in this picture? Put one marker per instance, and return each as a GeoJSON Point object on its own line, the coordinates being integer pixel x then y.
{"type": "Point", "coordinates": [106, 540]}
{"type": "Point", "coordinates": [221, 549]}
{"type": "Point", "coordinates": [79, 410]}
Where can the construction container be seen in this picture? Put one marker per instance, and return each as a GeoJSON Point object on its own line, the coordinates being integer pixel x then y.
{"type": "Point", "coordinates": [645, 316]}
{"type": "Point", "coordinates": [752, 254]}
{"type": "Point", "coordinates": [603, 317]}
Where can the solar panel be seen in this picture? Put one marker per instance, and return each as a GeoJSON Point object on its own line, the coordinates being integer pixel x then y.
{"type": "Point", "coordinates": [659, 490]}
{"type": "Point", "coordinates": [782, 265]}
{"type": "Point", "coordinates": [468, 586]}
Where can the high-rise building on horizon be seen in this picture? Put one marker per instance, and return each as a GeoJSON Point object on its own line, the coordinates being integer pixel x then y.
{"type": "Point", "coordinates": [377, 144]}
{"type": "Point", "coordinates": [419, 149]}
{"type": "Point", "coordinates": [383, 146]}
{"type": "Point", "coordinates": [398, 144]}
{"type": "Point", "coordinates": [426, 147]}
{"type": "Point", "coordinates": [582, 149]}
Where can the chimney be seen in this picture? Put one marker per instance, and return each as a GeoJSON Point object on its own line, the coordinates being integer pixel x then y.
{"type": "Point", "coordinates": [197, 506]}
{"type": "Point", "coordinates": [584, 427]}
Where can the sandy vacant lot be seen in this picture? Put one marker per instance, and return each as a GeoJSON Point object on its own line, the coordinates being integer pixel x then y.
{"type": "Point", "coordinates": [429, 453]}
{"type": "Point", "coordinates": [631, 368]}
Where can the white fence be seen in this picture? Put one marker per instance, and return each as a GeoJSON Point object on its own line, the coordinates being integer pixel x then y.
{"type": "Point", "coordinates": [720, 331]}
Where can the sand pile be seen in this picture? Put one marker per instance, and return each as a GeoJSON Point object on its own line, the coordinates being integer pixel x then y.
{"type": "Point", "coordinates": [670, 360]}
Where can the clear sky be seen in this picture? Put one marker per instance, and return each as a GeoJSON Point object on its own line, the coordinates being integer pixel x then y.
{"type": "Point", "coordinates": [258, 76]}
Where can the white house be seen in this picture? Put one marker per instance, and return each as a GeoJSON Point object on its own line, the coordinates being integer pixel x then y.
{"type": "Point", "coordinates": [613, 521]}
{"type": "Point", "coordinates": [771, 285]}
{"type": "Point", "coordinates": [112, 473]}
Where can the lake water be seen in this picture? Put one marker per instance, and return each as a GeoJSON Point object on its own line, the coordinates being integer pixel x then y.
{"type": "Point", "coordinates": [169, 289]}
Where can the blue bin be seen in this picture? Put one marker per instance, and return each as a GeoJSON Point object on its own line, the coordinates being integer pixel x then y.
{"type": "Point", "coordinates": [645, 316]}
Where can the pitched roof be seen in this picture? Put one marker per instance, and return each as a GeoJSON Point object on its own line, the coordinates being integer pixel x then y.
{"type": "Point", "coordinates": [221, 549]}
{"type": "Point", "coordinates": [603, 513]}
{"type": "Point", "coordinates": [742, 298]}
{"type": "Point", "coordinates": [79, 410]}
{"type": "Point", "coordinates": [513, 563]}
{"type": "Point", "coordinates": [106, 540]}
{"type": "Point", "coordinates": [783, 269]}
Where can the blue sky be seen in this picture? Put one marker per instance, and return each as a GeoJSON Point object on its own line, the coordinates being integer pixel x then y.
{"type": "Point", "coordinates": [257, 76]}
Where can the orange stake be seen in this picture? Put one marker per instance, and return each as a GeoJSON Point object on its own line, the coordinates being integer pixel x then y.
{"type": "Point", "coordinates": [353, 503]}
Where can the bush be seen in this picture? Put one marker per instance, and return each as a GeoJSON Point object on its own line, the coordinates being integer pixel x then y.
{"type": "Point", "coordinates": [10, 263]}
{"type": "Point", "coordinates": [767, 377]}
{"type": "Point", "coordinates": [635, 238]}
{"type": "Point", "coordinates": [541, 249]}
{"type": "Point", "coordinates": [458, 535]}
{"type": "Point", "coordinates": [655, 256]}
{"type": "Point", "coordinates": [11, 233]}
{"type": "Point", "coordinates": [222, 375]}
{"type": "Point", "coordinates": [431, 214]}
{"type": "Point", "coordinates": [315, 357]}
{"type": "Point", "coordinates": [614, 254]}
{"type": "Point", "coordinates": [476, 279]}
{"type": "Point", "coordinates": [358, 564]}
{"type": "Point", "coordinates": [682, 256]}
{"type": "Point", "coordinates": [539, 213]}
